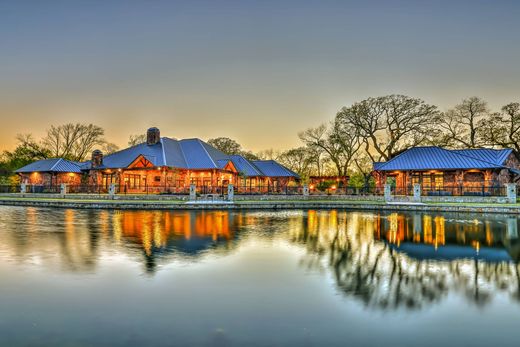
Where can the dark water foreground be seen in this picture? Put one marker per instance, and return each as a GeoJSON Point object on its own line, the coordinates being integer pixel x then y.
{"type": "Point", "coordinates": [214, 278]}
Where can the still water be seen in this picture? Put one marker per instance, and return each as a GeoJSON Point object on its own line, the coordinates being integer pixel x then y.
{"type": "Point", "coordinates": [300, 278]}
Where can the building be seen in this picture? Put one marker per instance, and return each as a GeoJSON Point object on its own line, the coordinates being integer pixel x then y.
{"type": "Point", "coordinates": [450, 172]}
{"type": "Point", "coordinates": [160, 165]}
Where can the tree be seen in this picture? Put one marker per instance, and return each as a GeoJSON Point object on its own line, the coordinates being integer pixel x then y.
{"type": "Point", "coordinates": [73, 141]}
{"type": "Point", "coordinates": [363, 167]}
{"type": "Point", "coordinates": [297, 159]}
{"type": "Point", "coordinates": [134, 140]}
{"type": "Point", "coordinates": [503, 128]}
{"type": "Point", "coordinates": [462, 126]}
{"type": "Point", "coordinates": [109, 148]}
{"type": "Point", "coordinates": [231, 147]}
{"type": "Point", "coordinates": [26, 151]}
{"type": "Point", "coordinates": [388, 125]}
{"type": "Point", "coordinates": [339, 144]}
{"type": "Point", "coordinates": [226, 145]}
{"type": "Point", "coordinates": [269, 154]}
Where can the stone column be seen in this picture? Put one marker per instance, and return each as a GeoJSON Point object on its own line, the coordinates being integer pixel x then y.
{"type": "Point", "coordinates": [305, 190]}
{"type": "Point", "coordinates": [230, 192]}
{"type": "Point", "coordinates": [63, 189]}
{"type": "Point", "coordinates": [388, 192]}
{"type": "Point", "coordinates": [193, 192]}
{"type": "Point", "coordinates": [417, 192]}
{"type": "Point", "coordinates": [23, 188]}
{"type": "Point", "coordinates": [511, 193]}
{"type": "Point", "coordinates": [112, 190]}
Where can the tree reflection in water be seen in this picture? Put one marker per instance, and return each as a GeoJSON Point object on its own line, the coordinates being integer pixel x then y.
{"type": "Point", "coordinates": [392, 261]}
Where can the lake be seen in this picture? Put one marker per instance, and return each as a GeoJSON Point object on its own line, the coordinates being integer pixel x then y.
{"type": "Point", "coordinates": [281, 278]}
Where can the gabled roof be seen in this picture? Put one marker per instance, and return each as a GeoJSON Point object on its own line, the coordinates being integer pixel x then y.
{"type": "Point", "coordinates": [245, 166]}
{"type": "Point", "coordinates": [437, 158]}
{"type": "Point", "coordinates": [51, 165]}
{"type": "Point", "coordinates": [190, 154]}
{"type": "Point", "coordinates": [272, 168]}
{"type": "Point", "coordinates": [184, 154]}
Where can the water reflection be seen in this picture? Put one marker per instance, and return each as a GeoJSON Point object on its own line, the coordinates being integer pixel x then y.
{"type": "Point", "coordinates": [412, 260]}
{"type": "Point", "coordinates": [385, 260]}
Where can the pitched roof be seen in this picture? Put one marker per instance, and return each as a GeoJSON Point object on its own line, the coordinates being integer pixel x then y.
{"type": "Point", "coordinates": [191, 154]}
{"type": "Point", "coordinates": [184, 154]}
{"type": "Point", "coordinates": [245, 166]}
{"type": "Point", "coordinates": [272, 168]}
{"type": "Point", "coordinates": [437, 158]}
{"type": "Point", "coordinates": [51, 165]}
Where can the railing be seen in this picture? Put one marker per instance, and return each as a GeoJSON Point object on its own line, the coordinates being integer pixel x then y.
{"type": "Point", "coordinates": [464, 191]}
{"type": "Point", "coordinates": [42, 188]}
{"type": "Point", "coordinates": [7, 188]}
{"type": "Point", "coordinates": [349, 191]}
{"type": "Point", "coordinates": [452, 191]}
{"type": "Point", "coordinates": [200, 190]}
{"type": "Point", "coordinates": [268, 190]}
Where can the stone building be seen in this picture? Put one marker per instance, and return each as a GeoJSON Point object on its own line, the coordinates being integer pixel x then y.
{"type": "Point", "coordinates": [450, 172]}
{"type": "Point", "coordinates": [161, 165]}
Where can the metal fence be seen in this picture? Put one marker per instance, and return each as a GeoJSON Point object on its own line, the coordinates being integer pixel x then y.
{"type": "Point", "coordinates": [221, 190]}
{"type": "Point", "coordinates": [7, 188]}
{"type": "Point", "coordinates": [452, 191]}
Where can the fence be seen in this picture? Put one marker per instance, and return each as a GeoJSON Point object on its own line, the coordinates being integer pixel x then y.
{"type": "Point", "coordinates": [452, 191]}
{"type": "Point", "coordinates": [10, 188]}
{"type": "Point", "coordinates": [201, 190]}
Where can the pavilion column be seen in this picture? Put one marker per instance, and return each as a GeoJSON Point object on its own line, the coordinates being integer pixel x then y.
{"type": "Point", "coordinates": [511, 193]}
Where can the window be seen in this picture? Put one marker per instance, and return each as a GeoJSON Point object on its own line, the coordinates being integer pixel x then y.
{"type": "Point", "coordinates": [133, 181]}
{"type": "Point", "coordinates": [439, 180]}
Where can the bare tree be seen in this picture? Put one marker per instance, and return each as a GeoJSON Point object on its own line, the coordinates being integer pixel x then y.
{"type": "Point", "coordinates": [73, 141]}
{"type": "Point", "coordinates": [297, 159]}
{"type": "Point", "coordinates": [462, 125]}
{"type": "Point", "coordinates": [502, 129]}
{"type": "Point", "coordinates": [390, 124]}
{"type": "Point", "coordinates": [269, 154]}
{"type": "Point", "coordinates": [134, 140]}
{"type": "Point", "coordinates": [339, 143]}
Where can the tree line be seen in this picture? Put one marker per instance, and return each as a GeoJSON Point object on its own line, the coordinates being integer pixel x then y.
{"type": "Point", "coordinates": [371, 130]}
{"type": "Point", "coordinates": [377, 129]}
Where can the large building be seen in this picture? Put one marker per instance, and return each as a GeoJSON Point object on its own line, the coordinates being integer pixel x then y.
{"type": "Point", "coordinates": [450, 172]}
{"type": "Point", "coordinates": [161, 165]}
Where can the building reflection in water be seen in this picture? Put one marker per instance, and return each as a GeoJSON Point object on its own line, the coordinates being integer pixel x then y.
{"type": "Point", "coordinates": [160, 234]}
{"type": "Point", "coordinates": [386, 260]}
{"type": "Point", "coordinates": [406, 260]}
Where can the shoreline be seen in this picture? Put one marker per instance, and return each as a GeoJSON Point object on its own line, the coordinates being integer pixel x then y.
{"type": "Point", "coordinates": [121, 204]}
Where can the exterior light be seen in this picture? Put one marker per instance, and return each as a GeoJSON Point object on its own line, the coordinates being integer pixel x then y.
{"type": "Point", "coordinates": [333, 187]}
{"type": "Point", "coordinates": [311, 186]}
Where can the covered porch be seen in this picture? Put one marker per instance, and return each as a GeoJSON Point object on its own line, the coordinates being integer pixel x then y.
{"type": "Point", "coordinates": [478, 182]}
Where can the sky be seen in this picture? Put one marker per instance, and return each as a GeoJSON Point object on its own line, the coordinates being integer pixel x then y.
{"type": "Point", "coordinates": [256, 71]}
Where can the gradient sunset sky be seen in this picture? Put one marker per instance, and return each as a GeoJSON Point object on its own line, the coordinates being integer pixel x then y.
{"type": "Point", "coordinates": [255, 71]}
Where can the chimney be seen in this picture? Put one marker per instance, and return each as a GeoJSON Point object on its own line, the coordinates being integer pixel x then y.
{"type": "Point", "coordinates": [97, 158]}
{"type": "Point", "coordinates": [153, 136]}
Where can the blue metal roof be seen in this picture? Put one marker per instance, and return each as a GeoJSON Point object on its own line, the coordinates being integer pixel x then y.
{"type": "Point", "coordinates": [436, 158]}
{"type": "Point", "coordinates": [191, 154]}
{"type": "Point", "coordinates": [245, 166]}
{"type": "Point", "coordinates": [185, 154]}
{"type": "Point", "coordinates": [51, 165]}
{"type": "Point", "coordinates": [271, 168]}
{"type": "Point", "coordinates": [495, 156]}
